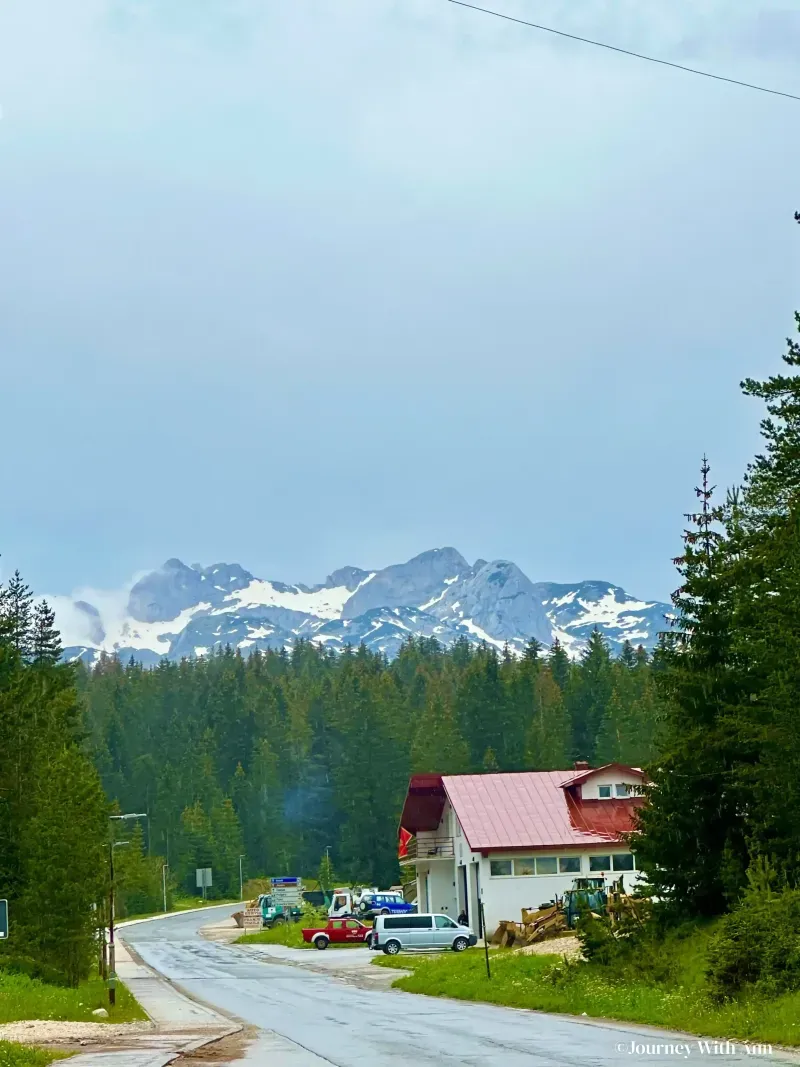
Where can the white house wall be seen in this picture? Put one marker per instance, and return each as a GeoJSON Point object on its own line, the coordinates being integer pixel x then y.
{"type": "Point", "coordinates": [505, 896]}
{"type": "Point", "coordinates": [590, 789]}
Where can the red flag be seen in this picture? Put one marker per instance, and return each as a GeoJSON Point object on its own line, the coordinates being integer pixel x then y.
{"type": "Point", "coordinates": [402, 844]}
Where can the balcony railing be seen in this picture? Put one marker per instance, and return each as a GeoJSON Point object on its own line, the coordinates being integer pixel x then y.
{"type": "Point", "coordinates": [428, 848]}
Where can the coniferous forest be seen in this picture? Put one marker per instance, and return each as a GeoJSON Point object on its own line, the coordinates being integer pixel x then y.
{"type": "Point", "coordinates": [283, 755]}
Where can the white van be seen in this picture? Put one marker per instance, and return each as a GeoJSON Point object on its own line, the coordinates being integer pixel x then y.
{"type": "Point", "coordinates": [393, 933]}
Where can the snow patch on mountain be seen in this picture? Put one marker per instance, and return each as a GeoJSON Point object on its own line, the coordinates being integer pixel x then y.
{"type": "Point", "coordinates": [178, 611]}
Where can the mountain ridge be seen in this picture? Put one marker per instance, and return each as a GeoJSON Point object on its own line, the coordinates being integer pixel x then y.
{"type": "Point", "coordinates": [181, 611]}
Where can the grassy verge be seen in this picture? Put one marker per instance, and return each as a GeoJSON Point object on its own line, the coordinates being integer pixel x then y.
{"type": "Point", "coordinates": [290, 934]}
{"type": "Point", "coordinates": [28, 998]}
{"type": "Point", "coordinates": [14, 1055]}
{"type": "Point", "coordinates": [679, 1001]}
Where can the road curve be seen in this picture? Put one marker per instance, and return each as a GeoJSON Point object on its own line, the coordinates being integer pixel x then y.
{"type": "Point", "coordinates": [308, 1019]}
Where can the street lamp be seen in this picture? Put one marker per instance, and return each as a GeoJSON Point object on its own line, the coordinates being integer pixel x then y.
{"type": "Point", "coordinates": [241, 882]}
{"type": "Point", "coordinates": [164, 869]}
{"type": "Point", "coordinates": [112, 960]}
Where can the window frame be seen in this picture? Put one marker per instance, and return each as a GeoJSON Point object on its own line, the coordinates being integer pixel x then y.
{"type": "Point", "coordinates": [545, 859]}
{"type": "Point", "coordinates": [605, 796]}
{"type": "Point", "coordinates": [626, 790]}
{"type": "Point", "coordinates": [623, 870]}
{"type": "Point", "coordinates": [529, 861]}
{"type": "Point", "coordinates": [506, 874]}
{"type": "Point", "coordinates": [600, 870]}
{"type": "Point", "coordinates": [572, 860]}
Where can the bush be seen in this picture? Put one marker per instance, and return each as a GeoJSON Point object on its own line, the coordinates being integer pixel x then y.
{"type": "Point", "coordinates": [43, 972]}
{"type": "Point", "coordinates": [757, 944]}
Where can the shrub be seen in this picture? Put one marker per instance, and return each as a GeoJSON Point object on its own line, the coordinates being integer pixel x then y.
{"type": "Point", "coordinates": [36, 969]}
{"type": "Point", "coordinates": [757, 944]}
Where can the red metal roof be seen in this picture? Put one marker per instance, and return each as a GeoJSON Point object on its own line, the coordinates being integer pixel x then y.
{"type": "Point", "coordinates": [531, 809]}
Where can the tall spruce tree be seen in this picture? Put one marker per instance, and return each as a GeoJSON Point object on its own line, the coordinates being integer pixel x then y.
{"type": "Point", "coordinates": [693, 845]}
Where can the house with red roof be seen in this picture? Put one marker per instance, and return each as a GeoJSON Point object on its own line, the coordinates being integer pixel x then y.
{"type": "Point", "coordinates": [516, 840]}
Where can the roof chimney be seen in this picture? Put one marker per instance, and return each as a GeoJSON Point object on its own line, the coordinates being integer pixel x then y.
{"type": "Point", "coordinates": [581, 765]}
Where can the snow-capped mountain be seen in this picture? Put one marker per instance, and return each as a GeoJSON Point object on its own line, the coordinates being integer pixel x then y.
{"type": "Point", "coordinates": [179, 611]}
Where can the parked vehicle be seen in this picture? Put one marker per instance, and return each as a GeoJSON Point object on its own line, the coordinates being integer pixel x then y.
{"type": "Point", "coordinates": [372, 904]}
{"type": "Point", "coordinates": [394, 933]}
{"type": "Point", "coordinates": [366, 903]}
{"type": "Point", "coordinates": [338, 932]}
{"type": "Point", "coordinates": [283, 903]}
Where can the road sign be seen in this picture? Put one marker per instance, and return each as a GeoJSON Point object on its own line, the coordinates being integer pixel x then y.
{"type": "Point", "coordinates": [252, 919]}
{"type": "Point", "coordinates": [3, 919]}
{"type": "Point", "coordinates": [203, 875]}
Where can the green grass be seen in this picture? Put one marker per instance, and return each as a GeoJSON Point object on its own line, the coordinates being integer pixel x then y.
{"type": "Point", "coordinates": [289, 934]}
{"type": "Point", "coordinates": [28, 998]}
{"type": "Point", "coordinates": [14, 1055]}
{"type": "Point", "coordinates": [671, 993]}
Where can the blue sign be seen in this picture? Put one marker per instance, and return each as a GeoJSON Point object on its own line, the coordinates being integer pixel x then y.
{"type": "Point", "coordinates": [3, 919]}
{"type": "Point", "coordinates": [285, 881]}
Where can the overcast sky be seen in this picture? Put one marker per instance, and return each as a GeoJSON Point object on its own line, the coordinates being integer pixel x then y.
{"type": "Point", "coordinates": [306, 283]}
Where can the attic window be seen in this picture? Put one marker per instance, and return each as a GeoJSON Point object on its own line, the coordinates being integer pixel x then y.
{"type": "Point", "coordinates": [622, 789]}
{"type": "Point", "coordinates": [604, 792]}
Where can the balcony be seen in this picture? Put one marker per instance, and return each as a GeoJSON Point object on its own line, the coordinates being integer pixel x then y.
{"type": "Point", "coordinates": [428, 848]}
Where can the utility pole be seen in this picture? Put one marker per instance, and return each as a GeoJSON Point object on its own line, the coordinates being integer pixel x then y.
{"type": "Point", "coordinates": [112, 960]}
{"type": "Point", "coordinates": [241, 881]}
{"type": "Point", "coordinates": [164, 869]}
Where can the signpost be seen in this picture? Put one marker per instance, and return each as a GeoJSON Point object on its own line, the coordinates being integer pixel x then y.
{"type": "Point", "coordinates": [3, 920]}
{"type": "Point", "coordinates": [203, 875]}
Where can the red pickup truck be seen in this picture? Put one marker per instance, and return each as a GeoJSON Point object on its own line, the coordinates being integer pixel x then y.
{"type": "Point", "coordinates": [338, 932]}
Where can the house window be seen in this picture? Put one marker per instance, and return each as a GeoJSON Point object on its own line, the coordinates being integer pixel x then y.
{"type": "Point", "coordinates": [623, 861]}
{"type": "Point", "coordinates": [546, 865]}
{"type": "Point", "coordinates": [599, 863]}
{"type": "Point", "coordinates": [500, 868]}
{"type": "Point", "coordinates": [604, 792]}
{"type": "Point", "coordinates": [569, 865]}
{"type": "Point", "coordinates": [524, 867]}
{"type": "Point", "coordinates": [622, 790]}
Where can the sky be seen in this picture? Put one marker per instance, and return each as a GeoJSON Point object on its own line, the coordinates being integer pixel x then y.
{"type": "Point", "coordinates": [307, 283]}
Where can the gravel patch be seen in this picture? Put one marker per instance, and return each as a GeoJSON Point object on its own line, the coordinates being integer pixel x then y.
{"type": "Point", "coordinates": [55, 1032]}
{"type": "Point", "coordinates": [559, 946]}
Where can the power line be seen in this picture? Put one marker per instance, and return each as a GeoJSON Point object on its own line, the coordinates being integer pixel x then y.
{"type": "Point", "coordinates": [623, 51]}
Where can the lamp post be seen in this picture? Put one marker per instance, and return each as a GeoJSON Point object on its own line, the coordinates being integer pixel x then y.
{"type": "Point", "coordinates": [241, 880]}
{"type": "Point", "coordinates": [164, 869]}
{"type": "Point", "coordinates": [112, 971]}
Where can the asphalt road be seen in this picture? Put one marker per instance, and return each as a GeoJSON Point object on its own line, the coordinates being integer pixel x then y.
{"type": "Point", "coordinates": [307, 1019]}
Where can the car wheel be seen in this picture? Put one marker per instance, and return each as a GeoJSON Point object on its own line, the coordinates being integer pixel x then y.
{"type": "Point", "coordinates": [460, 944]}
{"type": "Point", "coordinates": [362, 906]}
{"type": "Point", "coordinates": [321, 942]}
{"type": "Point", "coordinates": [384, 911]}
{"type": "Point", "coordinates": [278, 920]}
{"type": "Point", "coordinates": [391, 948]}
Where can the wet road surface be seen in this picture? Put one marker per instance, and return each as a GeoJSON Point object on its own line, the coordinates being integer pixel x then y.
{"type": "Point", "coordinates": [308, 1019]}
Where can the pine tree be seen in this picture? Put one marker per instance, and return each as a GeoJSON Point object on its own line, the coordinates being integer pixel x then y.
{"type": "Point", "coordinates": [693, 823]}
{"type": "Point", "coordinates": [438, 746]}
{"type": "Point", "coordinates": [64, 862]}
{"type": "Point", "coordinates": [17, 608]}
{"type": "Point", "coordinates": [587, 695]}
{"type": "Point", "coordinates": [548, 738]}
{"type": "Point", "coordinates": [45, 640]}
{"type": "Point", "coordinates": [558, 661]}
